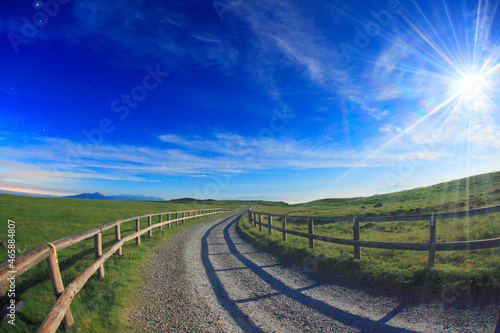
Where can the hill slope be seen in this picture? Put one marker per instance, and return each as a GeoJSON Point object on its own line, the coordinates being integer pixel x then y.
{"type": "Point", "coordinates": [461, 194]}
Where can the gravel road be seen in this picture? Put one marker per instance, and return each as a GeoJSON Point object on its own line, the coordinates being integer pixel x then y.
{"type": "Point", "coordinates": [208, 279]}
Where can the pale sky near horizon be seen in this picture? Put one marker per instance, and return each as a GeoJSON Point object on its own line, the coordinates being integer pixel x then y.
{"type": "Point", "coordinates": [276, 100]}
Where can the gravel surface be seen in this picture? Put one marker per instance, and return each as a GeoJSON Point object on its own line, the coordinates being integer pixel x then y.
{"type": "Point", "coordinates": [208, 279]}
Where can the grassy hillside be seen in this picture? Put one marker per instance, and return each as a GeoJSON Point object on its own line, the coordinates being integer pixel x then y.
{"type": "Point", "coordinates": [471, 272]}
{"type": "Point", "coordinates": [101, 305]}
{"type": "Point", "coordinates": [468, 193]}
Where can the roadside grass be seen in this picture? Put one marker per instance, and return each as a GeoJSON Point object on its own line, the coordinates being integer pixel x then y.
{"type": "Point", "coordinates": [101, 306]}
{"type": "Point", "coordinates": [475, 273]}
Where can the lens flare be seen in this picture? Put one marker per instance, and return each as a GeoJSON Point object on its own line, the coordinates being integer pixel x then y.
{"type": "Point", "coordinates": [472, 85]}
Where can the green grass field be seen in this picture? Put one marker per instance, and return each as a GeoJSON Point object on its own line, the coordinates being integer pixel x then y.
{"type": "Point", "coordinates": [101, 306]}
{"type": "Point", "coordinates": [474, 272]}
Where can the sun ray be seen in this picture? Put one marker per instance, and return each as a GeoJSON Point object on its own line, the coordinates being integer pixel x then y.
{"type": "Point", "coordinates": [458, 45]}
{"type": "Point", "coordinates": [434, 47]}
{"type": "Point", "coordinates": [476, 33]}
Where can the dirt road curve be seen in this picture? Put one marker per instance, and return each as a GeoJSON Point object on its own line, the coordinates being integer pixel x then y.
{"type": "Point", "coordinates": [207, 279]}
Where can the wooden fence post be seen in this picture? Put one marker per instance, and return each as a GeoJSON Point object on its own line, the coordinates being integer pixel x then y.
{"type": "Point", "coordinates": [260, 222]}
{"type": "Point", "coordinates": [159, 221]}
{"type": "Point", "coordinates": [270, 223]}
{"type": "Point", "coordinates": [183, 217]}
{"type": "Point", "coordinates": [176, 217]}
{"type": "Point", "coordinates": [137, 228]}
{"type": "Point", "coordinates": [311, 231]}
{"type": "Point", "coordinates": [150, 232]}
{"type": "Point", "coordinates": [283, 224]}
{"type": "Point", "coordinates": [356, 236]}
{"type": "Point", "coordinates": [118, 237]}
{"type": "Point", "coordinates": [57, 285]}
{"type": "Point", "coordinates": [432, 239]}
{"type": "Point", "coordinates": [250, 217]}
{"type": "Point", "coordinates": [98, 252]}
{"type": "Point", "coordinates": [168, 219]}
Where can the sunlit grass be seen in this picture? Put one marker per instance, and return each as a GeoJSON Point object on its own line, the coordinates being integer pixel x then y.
{"type": "Point", "coordinates": [101, 306]}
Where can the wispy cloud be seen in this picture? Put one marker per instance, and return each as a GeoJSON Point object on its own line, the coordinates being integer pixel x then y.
{"type": "Point", "coordinates": [290, 38]}
{"type": "Point", "coordinates": [58, 160]}
{"type": "Point", "coordinates": [389, 128]}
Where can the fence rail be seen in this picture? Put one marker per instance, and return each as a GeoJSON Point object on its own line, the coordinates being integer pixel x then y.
{"type": "Point", "coordinates": [48, 252]}
{"type": "Point", "coordinates": [256, 218]}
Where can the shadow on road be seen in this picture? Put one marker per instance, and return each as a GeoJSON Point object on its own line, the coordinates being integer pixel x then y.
{"type": "Point", "coordinates": [222, 296]}
{"type": "Point", "coordinates": [349, 319]}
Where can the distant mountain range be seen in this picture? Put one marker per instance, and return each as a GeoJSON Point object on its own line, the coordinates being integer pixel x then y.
{"type": "Point", "coordinates": [124, 197]}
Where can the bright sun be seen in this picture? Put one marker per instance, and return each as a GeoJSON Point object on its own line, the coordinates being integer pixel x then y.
{"type": "Point", "coordinates": [472, 85]}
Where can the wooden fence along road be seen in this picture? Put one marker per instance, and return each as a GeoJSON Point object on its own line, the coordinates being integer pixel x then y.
{"type": "Point", "coordinates": [48, 251]}
{"type": "Point", "coordinates": [256, 218]}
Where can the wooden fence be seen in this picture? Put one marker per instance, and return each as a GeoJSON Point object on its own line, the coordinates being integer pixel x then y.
{"type": "Point", "coordinates": [432, 246]}
{"type": "Point", "coordinates": [48, 251]}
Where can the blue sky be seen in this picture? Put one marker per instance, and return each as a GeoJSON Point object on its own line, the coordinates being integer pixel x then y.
{"type": "Point", "coordinates": [280, 100]}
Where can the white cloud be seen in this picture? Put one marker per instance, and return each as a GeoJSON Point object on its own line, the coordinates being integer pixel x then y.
{"type": "Point", "coordinates": [389, 128]}
{"type": "Point", "coordinates": [377, 113]}
{"type": "Point", "coordinates": [172, 138]}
